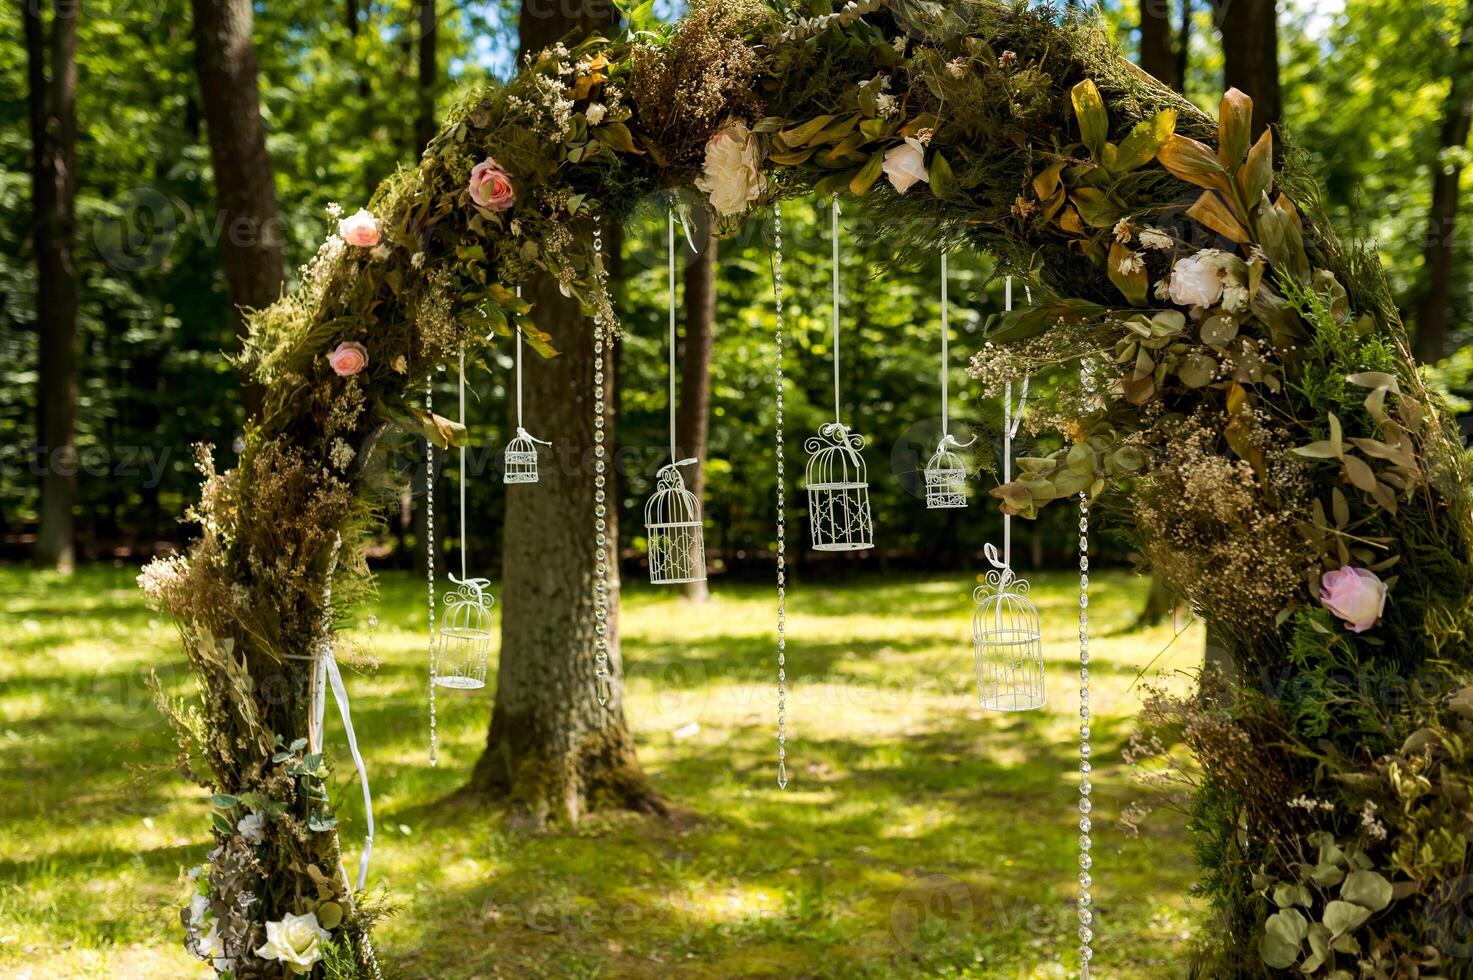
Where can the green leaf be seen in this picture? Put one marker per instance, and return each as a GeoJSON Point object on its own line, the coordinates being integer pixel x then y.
{"type": "Point", "coordinates": [1345, 917]}
{"type": "Point", "coordinates": [1367, 889]}
{"type": "Point", "coordinates": [616, 136]}
{"type": "Point", "coordinates": [1283, 934]}
{"type": "Point", "coordinates": [867, 175]}
{"type": "Point", "coordinates": [801, 134]}
{"type": "Point", "coordinates": [329, 915]}
{"type": "Point", "coordinates": [1094, 121]}
{"type": "Point", "coordinates": [1144, 141]}
{"type": "Point", "coordinates": [943, 184]}
{"type": "Point", "coordinates": [224, 801]}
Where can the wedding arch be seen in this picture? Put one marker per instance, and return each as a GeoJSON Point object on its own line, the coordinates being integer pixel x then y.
{"type": "Point", "coordinates": [1287, 470]}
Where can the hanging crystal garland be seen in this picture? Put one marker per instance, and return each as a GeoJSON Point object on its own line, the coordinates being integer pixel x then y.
{"type": "Point", "coordinates": [946, 477]}
{"type": "Point", "coordinates": [430, 552]}
{"type": "Point", "coordinates": [838, 483]}
{"type": "Point", "coordinates": [1006, 641]}
{"type": "Point", "coordinates": [672, 516]}
{"type": "Point", "coordinates": [782, 505]}
{"type": "Point", "coordinates": [602, 546]}
{"type": "Point", "coordinates": [1085, 900]}
{"type": "Point", "coordinates": [520, 458]}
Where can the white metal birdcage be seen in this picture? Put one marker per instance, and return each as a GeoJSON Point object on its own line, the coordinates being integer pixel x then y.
{"type": "Point", "coordinates": [838, 491]}
{"type": "Point", "coordinates": [672, 521]}
{"type": "Point", "coordinates": [1006, 642]}
{"type": "Point", "coordinates": [946, 477]}
{"type": "Point", "coordinates": [520, 458]}
{"type": "Point", "coordinates": [465, 636]}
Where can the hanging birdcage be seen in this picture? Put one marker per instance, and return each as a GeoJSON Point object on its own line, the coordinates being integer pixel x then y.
{"type": "Point", "coordinates": [465, 636]}
{"type": "Point", "coordinates": [520, 458]}
{"type": "Point", "coordinates": [1006, 642]}
{"type": "Point", "coordinates": [946, 477]}
{"type": "Point", "coordinates": [838, 491]}
{"type": "Point", "coordinates": [672, 521]}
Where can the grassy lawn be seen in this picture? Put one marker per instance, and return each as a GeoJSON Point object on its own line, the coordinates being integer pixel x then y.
{"type": "Point", "coordinates": [919, 836]}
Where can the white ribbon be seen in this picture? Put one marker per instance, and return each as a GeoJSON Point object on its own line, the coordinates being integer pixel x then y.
{"type": "Point", "coordinates": [340, 695]}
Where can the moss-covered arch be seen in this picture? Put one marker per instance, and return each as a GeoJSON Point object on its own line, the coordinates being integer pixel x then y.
{"type": "Point", "coordinates": [1258, 400]}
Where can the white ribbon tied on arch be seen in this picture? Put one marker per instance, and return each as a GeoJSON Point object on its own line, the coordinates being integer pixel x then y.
{"type": "Point", "coordinates": [340, 695]}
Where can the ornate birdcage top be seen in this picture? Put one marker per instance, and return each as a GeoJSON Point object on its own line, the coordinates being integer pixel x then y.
{"type": "Point", "coordinates": [835, 459]}
{"type": "Point", "coordinates": [470, 600]}
{"type": "Point", "coordinates": [672, 503]}
{"type": "Point", "coordinates": [525, 442]}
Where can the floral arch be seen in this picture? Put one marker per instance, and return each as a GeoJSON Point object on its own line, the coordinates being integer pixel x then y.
{"type": "Point", "coordinates": [1288, 471]}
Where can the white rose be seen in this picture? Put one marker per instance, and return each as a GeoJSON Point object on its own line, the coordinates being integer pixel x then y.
{"type": "Point", "coordinates": [905, 164]}
{"type": "Point", "coordinates": [360, 229]}
{"type": "Point", "coordinates": [252, 828]}
{"type": "Point", "coordinates": [296, 942]}
{"type": "Point", "coordinates": [732, 174]}
{"type": "Point", "coordinates": [1196, 281]}
{"type": "Point", "coordinates": [595, 113]}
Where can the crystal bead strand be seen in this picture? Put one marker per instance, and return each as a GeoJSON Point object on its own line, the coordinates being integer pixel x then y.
{"type": "Point", "coordinates": [1086, 913]}
{"type": "Point", "coordinates": [782, 578]}
{"type": "Point", "coordinates": [600, 496]}
{"type": "Point", "coordinates": [430, 553]}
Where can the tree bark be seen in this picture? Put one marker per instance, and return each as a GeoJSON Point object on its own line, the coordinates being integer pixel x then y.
{"type": "Point", "coordinates": [1250, 52]}
{"type": "Point", "coordinates": [1184, 44]}
{"type": "Point", "coordinates": [1157, 54]}
{"type": "Point", "coordinates": [553, 751]}
{"type": "Point", "coordinates": [424, 123]}
{"type": "Point", "coordinates": [245, 191]}
{"type": "Point", "coordinates": [53, 117]}
{"type": "Point", "coordinates": [693, 413]}
{"type": "Point", "coordinates": [1430, 343]}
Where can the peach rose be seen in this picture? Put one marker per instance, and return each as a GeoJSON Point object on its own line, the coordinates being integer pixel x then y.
{"type": "Point", "coordinates": [349, 358]}
{"type": "Point", "coordinates": [360, 229]}
{"type": "Point", "coordinates": [1356, 595]}
{"type": "Point", "coordinates": [490, 186]}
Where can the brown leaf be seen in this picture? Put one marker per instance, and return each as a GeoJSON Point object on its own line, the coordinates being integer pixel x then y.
{"type": "Point", "coordinates": [1193, 162]}
{"type": "Point", "coordinates": [1234, 127]}
{"type": "Point", "coordinates": [1210, 210]}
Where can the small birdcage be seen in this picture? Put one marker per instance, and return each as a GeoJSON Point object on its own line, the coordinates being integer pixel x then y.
{"type": "Point", "coordinates": [520, 458]}
{"type": "Point", "coordinates": [465, 636]}
{"type": "Point", "coordinates": [946, 477]}
{"type": "Point", "coordinates": [1006, 642]}
{"type": "Point", "coordinates": [672, 520]}
{"type": "Point", "coordinates": [838, 491]}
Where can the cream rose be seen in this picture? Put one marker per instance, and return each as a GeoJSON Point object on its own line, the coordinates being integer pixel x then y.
{"type": "Point", "coordinates": [360, 229]}
{"type": "Point", "coordinates": [732, 175]}
{"type": "Point", "coordinates": [905, 164]}
{"type": "Point", "coordinates": [1356, 595]}
{"type": "Point", "coordinates": [295, 942]}
{"type": "Point", "coordinates": [1196, 281]}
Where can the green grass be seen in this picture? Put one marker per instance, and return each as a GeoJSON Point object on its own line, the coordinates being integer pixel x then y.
{"type": "Point", "coordinates": [919, 836]}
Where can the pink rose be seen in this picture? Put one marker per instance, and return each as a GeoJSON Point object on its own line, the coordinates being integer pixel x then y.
{"type": "Point", "coordinates": [360, 229]}
{"type": "Point", "coordinates": [491, 187]}
{"type": "Point", "coordinates": [1356, 595]}
{"type": "Point", "coordinates": [350, 358]}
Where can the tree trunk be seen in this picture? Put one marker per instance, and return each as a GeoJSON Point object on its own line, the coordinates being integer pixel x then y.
{"type": "Point", "coordinates": [694, 409]}
{"type": "Point", "coordinates": [53, 112]}
{"type": "Point", "coordinates": [1161, 602]}
{"type": "Point", "coordinates": [1433, 304]}
{"type": "Point", "coordinates": [424, 123]}
{"type": "Point", "coordinates": [553, 751]}
{"type": "Point", "coordinates": [1184, 44]}
{"type": "Point", "coordinates": [1250, 53]}
{"type": "Point", "coordinates": [1157, 56]}
{"type": "Point", "coordinates": [252, 235]}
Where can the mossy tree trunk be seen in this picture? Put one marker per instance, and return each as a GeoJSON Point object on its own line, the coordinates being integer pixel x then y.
{"type": "Point", "coordinates": [553, 751]}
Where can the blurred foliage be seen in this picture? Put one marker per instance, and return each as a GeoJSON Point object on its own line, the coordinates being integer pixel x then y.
{"type": "Point", "coordinates": [1363, 93]}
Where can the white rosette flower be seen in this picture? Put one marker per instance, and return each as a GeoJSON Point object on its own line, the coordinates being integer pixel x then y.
{"type": "Point", "coordinates": [295, 942]}
{"type": "Point", "coordinates": [732, 175]}
{"type": "Point", "coordinates": [905, 164]}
